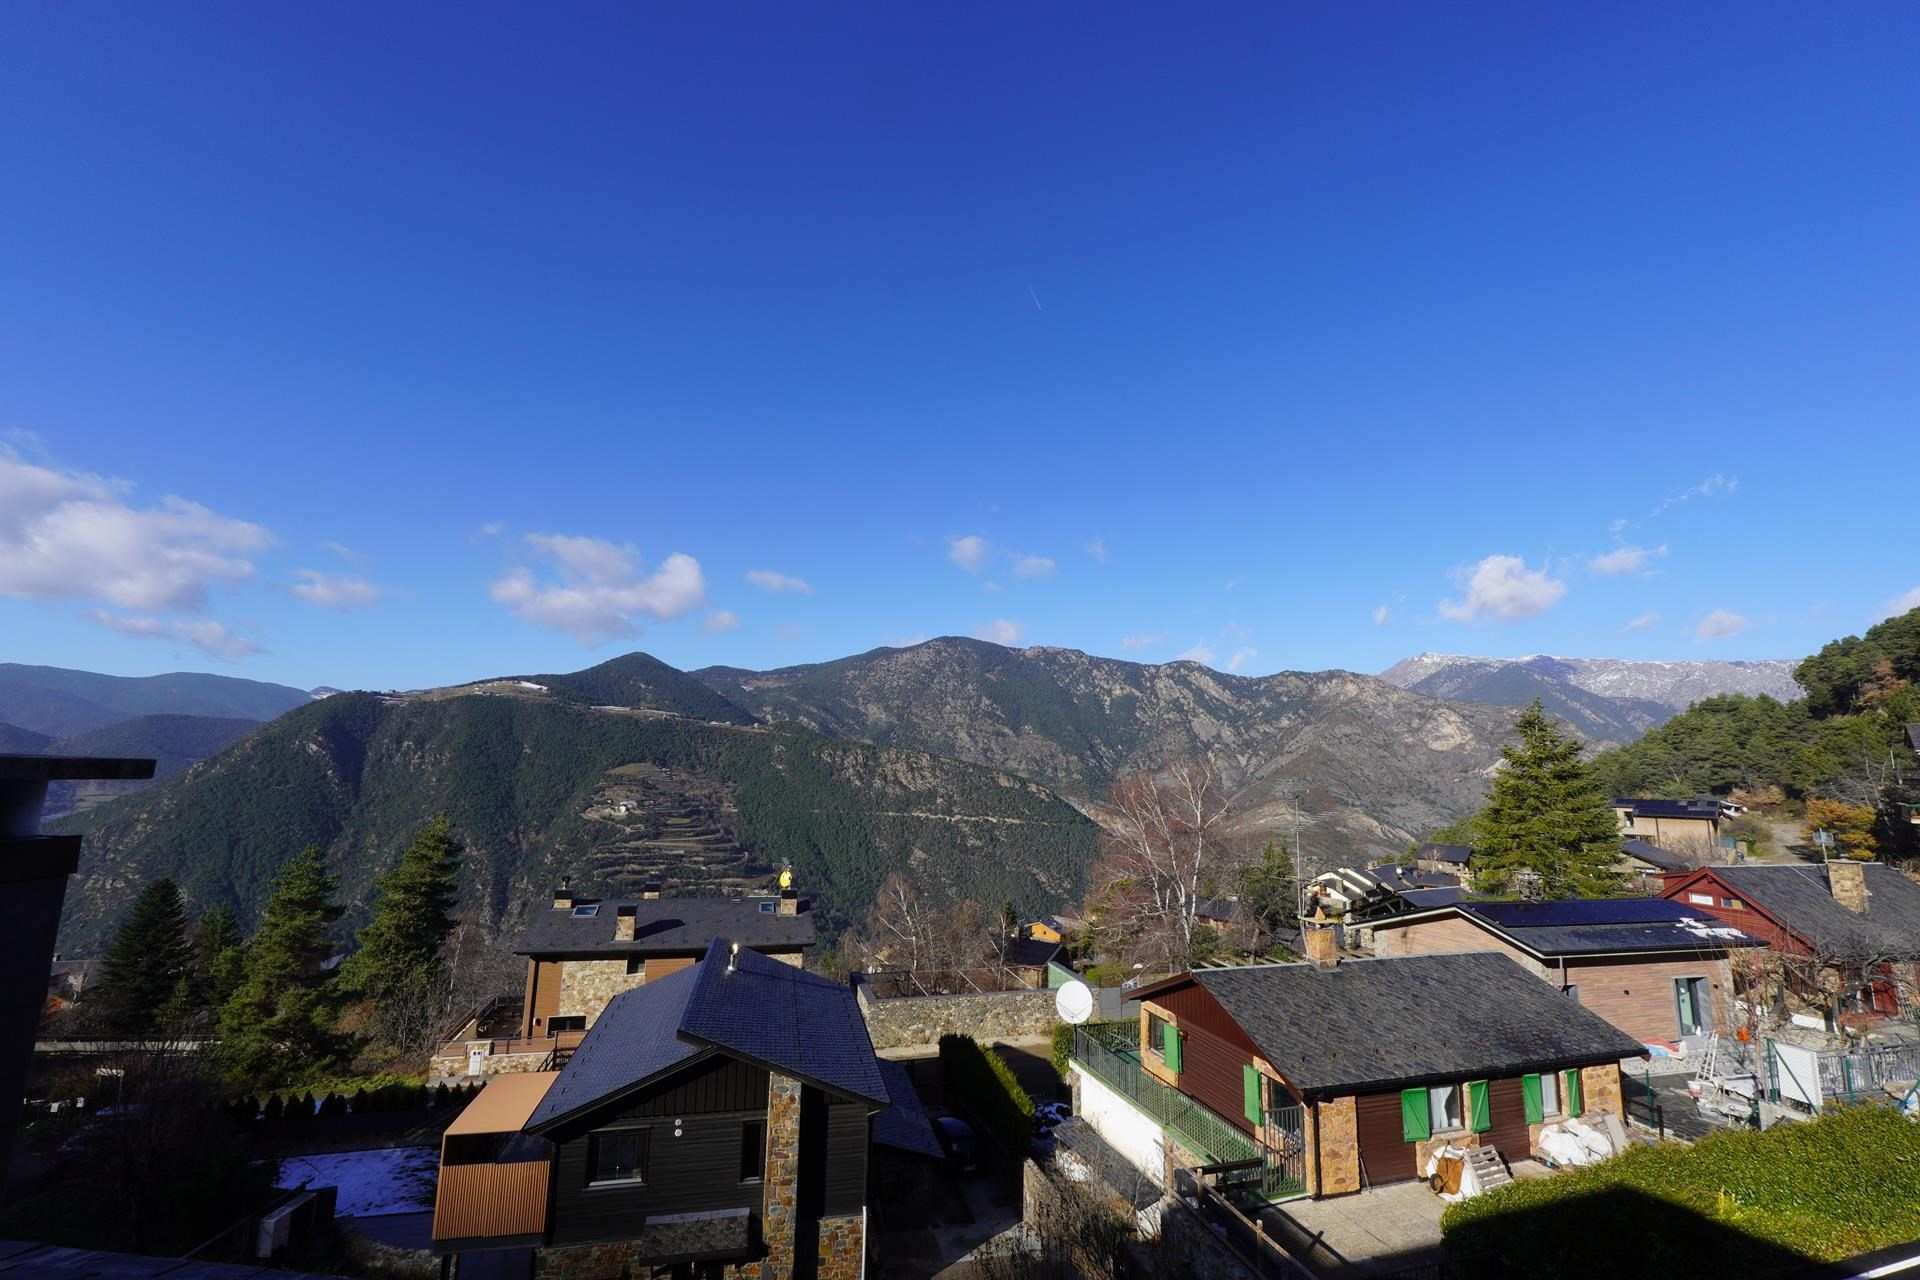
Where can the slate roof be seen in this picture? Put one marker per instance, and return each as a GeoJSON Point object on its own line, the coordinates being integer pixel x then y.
{"type": "Point", "coordinates": [1033, 952]}
{"type": "Point", "coordinates": [771, 1013]}
{"type": "Point", "coordinates": [1226, 909]}
{"type": "Point", "coordinates": [1442, 897]}
{"type": "Point", "coordinates": [904, 1125]}
{"type": "Point", "coordinates": [1913, 736]}
{"type": "Point", "coordinates": [1395, 878]}
{"type": "Point", "coordinates": [1653, 855]}
{"type": "Point", "coordinates": [797, 1023]}
{"type": "Point", "coordinates": [1799, 897]}
{"type": "Point", "coordinates": [1594, 926]}
{"type": "Point", "coordinates": [1460, 853]}
{"type": "Point", "coordinates": [632, 1040]}
{"type": "Point", "coordinates": [1643, 808]}
{"type": "Point", "coordinates": [1401, 1021]}
{"type": "Point", "coordinates": [664, 925]}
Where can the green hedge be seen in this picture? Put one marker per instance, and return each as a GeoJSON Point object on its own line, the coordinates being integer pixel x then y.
{"type": "Point", "coordinates": [983, 1085]}
{"type": "Point", "coordinates": [1741, 1202]}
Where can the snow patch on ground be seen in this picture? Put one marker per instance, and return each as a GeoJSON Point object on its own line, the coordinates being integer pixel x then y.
{"type": "Point", "coordinates": [371, 1183]}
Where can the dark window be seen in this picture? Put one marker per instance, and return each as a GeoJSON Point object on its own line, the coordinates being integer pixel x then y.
{"type": "Point", "coordinates": [618, 1155]}
{"type": "Point", "coordinates": [592, 910]}
{"type": "Point", "coordinates": [1156, 1035]}
{"type": "Point", "coordinates": [636, 964]}
{"type": "Point", "coordinates": [753, 1150]}
{"type": "Point", "coordinates": [572, 1022]}
{"type": "Point", "coordinates": [766, 908]}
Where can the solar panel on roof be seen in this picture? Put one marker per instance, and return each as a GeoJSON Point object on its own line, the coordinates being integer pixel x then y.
{"type": "Point", "coordinates": [1578, 911]}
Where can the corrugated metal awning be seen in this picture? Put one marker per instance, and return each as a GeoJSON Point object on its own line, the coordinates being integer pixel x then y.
{"type": "Point", "coordinates": [491, 1201]}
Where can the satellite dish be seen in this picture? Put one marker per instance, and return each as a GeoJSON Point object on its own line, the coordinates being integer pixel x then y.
{"type": "Point", "coordinates": [1074, 1002]}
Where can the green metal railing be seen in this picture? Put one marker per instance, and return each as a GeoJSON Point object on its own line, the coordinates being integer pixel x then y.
{"type": "Point", "coordinates": [1115, 1061]}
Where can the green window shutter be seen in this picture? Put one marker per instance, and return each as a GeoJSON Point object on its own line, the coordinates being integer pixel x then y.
{"type": "Point", "coordinates": [1574, 1106]}
{"type": "Point", "coordinates": [1479, 1107]}
{"type": "Point", "coordinates": [1250, 1093]}
{"type": "Point", "coordinates": [1530, 1091]}
{"type": "Point", "coordinates": [1170, 1047]}
{"type": "Point", "coordinates": [1416, 1121]}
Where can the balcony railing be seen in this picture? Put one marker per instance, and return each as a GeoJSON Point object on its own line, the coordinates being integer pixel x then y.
{"type": "Point", "coordinates": [1115, 1062]}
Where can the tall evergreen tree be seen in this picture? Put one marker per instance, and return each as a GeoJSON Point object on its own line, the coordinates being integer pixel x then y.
{"type": "Point", "coordinates": [146, 965]}
{"type": "Point", "coordinates": [279, 1021]}
{"type": "Point", "coordinates": [411, 918]}
{"type": "Point", "coordinates": [1547, 813]}
{"type": "Point", "coordinates": [1270, 893]}
{"type": "Point", "coordinates": [219, 958]}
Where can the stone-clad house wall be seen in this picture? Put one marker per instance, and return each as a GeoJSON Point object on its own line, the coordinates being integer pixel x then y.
{"type": "Point", "coordinates": [587, 985]}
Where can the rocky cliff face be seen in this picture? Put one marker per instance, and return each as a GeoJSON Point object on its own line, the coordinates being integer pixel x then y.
{"type": "Point", "coordinates": [1674, 685]}
{"type": "Point", "coordinates": [1372, 766]}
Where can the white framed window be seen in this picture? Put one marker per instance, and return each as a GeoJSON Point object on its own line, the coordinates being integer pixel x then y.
{"type": "Point", "coordinates": [1443, 1105]}
{"type": "Point", "coordinates": [1700, 899]}
{"type": "Point", "coordinates": [1550, 1093]}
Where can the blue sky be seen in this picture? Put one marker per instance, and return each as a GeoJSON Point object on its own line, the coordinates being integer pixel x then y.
{"type": "Point", "coordinates": [349, 345]}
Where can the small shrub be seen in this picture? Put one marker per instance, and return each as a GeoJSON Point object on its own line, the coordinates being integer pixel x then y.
{"type": "Point", "coordinates": [442, 1096]}
{"type": "Point", "coordinates": [361, 1102]}
{"type": "Point", "coordinates": [984, 1085]}
{"type": "Point", "coordinates": [273, 1110]}
{"type": "Point", "coordinates": [334, 1104]}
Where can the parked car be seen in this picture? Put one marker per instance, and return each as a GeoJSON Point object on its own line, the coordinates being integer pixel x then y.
{"type": "Point", "coordinates": [957, 1140]}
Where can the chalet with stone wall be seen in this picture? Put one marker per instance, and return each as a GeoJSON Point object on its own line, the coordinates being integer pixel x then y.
{"type": "Point", "coordinates": [720, 1116]}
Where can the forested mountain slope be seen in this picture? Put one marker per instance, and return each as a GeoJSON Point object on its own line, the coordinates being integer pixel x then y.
{"type": "Point", "coordinates": [1373, 765]}
{"type": "Point", "coordinates": [532, 785]}
{"type": "Point", "coordinates": [60, 702]}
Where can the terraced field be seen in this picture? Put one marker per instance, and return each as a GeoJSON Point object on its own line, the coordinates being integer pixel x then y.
{"type": "Point", "coordinates": [651, 821]}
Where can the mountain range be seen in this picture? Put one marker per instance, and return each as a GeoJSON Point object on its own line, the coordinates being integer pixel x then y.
{"type": "Point", "coordinates": [977, 769]}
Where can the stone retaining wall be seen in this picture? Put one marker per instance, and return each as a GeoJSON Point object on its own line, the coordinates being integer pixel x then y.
{"type": "Point", "coordinates": [986, 1016]}
{"type": "Point", "coordinates": [1188, 1248]}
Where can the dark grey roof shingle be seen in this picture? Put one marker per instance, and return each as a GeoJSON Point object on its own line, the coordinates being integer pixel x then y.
{"type": "Point", "coordinates": [632, 1040]}
{"type": "Point", "coordinates": [1592, 926]}
{"type": "Point", "coordinates": [793, 1021]}
{"type": "Point", "coordinates": [1444, 852]}
{"type": "Point", "coordinates": [665, 925]}
{"type": "Point", "coordinates": [1654, 856]}
{"type": "Point", "coordinates": [1913, 736]}
{"type": "Point", "coordinates": [1407, 1020]}
{"type": "Point", "coordinates": [904, 1124]}
{"type": "Point", "coordinates": [1800, 898]}
{"type": "Point", "coordinates": [1647, 808]}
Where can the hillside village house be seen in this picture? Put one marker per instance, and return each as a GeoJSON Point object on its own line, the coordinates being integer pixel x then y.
{"type": "Point", "coordinates": [581, 952]}
{"type": "Point", "coordinates": [1656, 969]}
{"type": "Point", "coordinates": [1672, 824]}
{"type": "Point", "coordinates": [717, 1118]}
{"type": "Point", "coordinates": [1844, 937]}
{"type": "Point", "coordinates": [1450, 858]}
{"type": "Point", "coordinates": [1337, 1075]}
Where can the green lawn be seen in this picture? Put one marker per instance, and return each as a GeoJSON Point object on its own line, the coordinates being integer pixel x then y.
{"type": "Point", "coordinates": [1740, 1203]}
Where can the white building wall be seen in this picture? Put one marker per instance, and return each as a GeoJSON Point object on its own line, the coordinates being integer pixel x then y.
{"type": "Point", "coordinates": [1126, 1129]}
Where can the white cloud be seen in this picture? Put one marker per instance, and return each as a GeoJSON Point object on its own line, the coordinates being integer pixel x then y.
{"type": "Point", "coordinates": [1502, 587]}
{"type": "Point", "coordinates": [1720, 624]}
{"type": "Point", "coordinates": [599, 588]}
{"type": "Point", "coordinates": [1624, 560]}
{"type": "Point", "coordinates": [344, 552]}
{"type": "Point", "coordinates": [720, 620]}
{"type": "Point", "coordinates": [1097, 549]}
{"type": "Point", "coordinates": [992, 586]}
{"type": "Point", "coordinates": [1137, 641]}
{"type": "Point", "coordinates": [1201, 652]}
{"type": "Point", "coordinates": [71, 535]}
{"type": "Point", "coordinates": [491, 529]}
{"type": "Point", "coordinates": [1899, 604]}
{"type": "Point", "coordinates": [1241, 657]}
{"type": "Point", "coordinates": [1713, 486]}
{"type": "Point", "coordinates": [1032, 567]}
{"type": "Point", "coordinates": [1002, 631]}
{"type": "Point", "coordinates": [204, 634]}
{"type": "Point", "coordinates": [1382, 615]}
{"type": "Point", "coordinates": [970, 552]}
{"type": "Point", "coordinates": [336, 590]}
{"type": "Point", "coordinates": [768, 580]}
{"type": "Point", "coordinates": [1645, 622]}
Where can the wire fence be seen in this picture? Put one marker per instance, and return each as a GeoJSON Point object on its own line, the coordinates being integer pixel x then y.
{"type": "Point", "coordinates": [1116, 1062]}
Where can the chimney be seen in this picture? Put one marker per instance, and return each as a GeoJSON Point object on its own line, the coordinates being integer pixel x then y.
{"type": "Point", "coordinates": [623, 923]}
{"type": "Point", "coordinates": [1848, 881]}
{"type": "Point", "coordinates": [1317, 932]}
{"type": "Point", "coordinates": [789, 898]}
{"type": "Point", "coordinates": [563, 896]}
{"type": "Point", "coordinates": [651, 891]}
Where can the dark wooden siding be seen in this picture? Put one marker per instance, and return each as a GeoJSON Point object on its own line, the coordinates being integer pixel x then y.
{"type": "Point", "coordinates": [1384, 1154]}
{"type": "Point", "coordinates": [695, 1172]}
{"type": "Point", "coordinates": [846, 1171]}
{"type": "Point", "coordinates": [719, 1084]}
{"type": "Point", "coordinates": [1508, 1101]}
{"type": "Point", "coordinates": [1212, 1052]}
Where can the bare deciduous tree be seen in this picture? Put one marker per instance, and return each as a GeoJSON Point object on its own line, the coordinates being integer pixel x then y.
{"type": "Point", "coordinates": [1163, 842]}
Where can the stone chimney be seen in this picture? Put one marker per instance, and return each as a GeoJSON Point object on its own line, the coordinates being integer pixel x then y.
{"type": "Point", "coordinates": [789, 903]}
{"type": "Point", "coordinates": [652, 891]}
{"type": "Point", "coordinates": [1848, 881]}
{"type": "Point", "coordinates": [563, 896]}
{"type": "Point", "coordinates": [1317, 932]}
{"type": "Point", "coordinates": [623, 924]}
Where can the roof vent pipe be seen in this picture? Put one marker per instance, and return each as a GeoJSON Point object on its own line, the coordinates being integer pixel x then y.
{"type": "Point", "coordinates": [733, 956]}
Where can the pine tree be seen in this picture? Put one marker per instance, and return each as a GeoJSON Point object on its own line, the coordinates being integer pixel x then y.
{"type": "Point", "coordinates": [1547, 813]}
{"type": "Point", "coordinates": [411, 918]}
{"type": "Point", "coordinates": [219, 958]}
{"type": "Point", "coordinates": [1269, 893]}
{"type": "Point", "coordinates": [146, 964]}
{"type": "Point", "coordinates": [278, 1024]}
